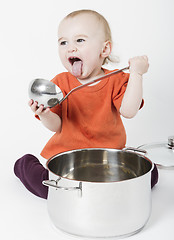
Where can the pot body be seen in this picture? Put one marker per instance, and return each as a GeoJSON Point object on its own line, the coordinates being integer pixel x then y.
{"type": "Point", "coordinates": [100, 208]}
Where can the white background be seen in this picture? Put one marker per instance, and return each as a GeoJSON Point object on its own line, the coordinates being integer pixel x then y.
{"type": "Point", "coordinates": [28, 49]}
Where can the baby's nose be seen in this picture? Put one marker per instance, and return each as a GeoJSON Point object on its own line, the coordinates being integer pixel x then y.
{"type": "Point", "coordinates": [72, 48]}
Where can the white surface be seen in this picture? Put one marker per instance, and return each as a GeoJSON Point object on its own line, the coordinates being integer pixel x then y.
{"type": "Point", "coordinates": [25, 217]}
{"type": "Point", "coordinates": [28, 49]}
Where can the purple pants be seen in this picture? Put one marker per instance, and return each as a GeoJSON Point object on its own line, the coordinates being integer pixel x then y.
{"type": "Point", "coordinates": [31, 173]}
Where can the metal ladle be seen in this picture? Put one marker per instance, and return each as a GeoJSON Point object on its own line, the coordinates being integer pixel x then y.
{"type": "Point", "coordinates": [49, 94]}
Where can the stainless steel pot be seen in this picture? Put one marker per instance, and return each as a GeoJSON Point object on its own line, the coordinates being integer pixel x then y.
{"type": "Point", "coordinates": [99, 192]}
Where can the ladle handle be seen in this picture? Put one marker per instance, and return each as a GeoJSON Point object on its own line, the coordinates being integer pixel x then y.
{"type": "Point", "coordinates": [93, 81]}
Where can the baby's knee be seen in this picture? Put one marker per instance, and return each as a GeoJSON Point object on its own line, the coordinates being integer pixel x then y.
{"type": "Point", "coordinates": [25, 163]}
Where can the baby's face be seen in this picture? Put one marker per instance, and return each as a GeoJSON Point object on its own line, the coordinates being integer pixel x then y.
{"type": "Point", "coordinates": [81, 41]}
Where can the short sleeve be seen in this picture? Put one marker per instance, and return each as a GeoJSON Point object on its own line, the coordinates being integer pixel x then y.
{"type": "Point", "coordinates": [119, 89]}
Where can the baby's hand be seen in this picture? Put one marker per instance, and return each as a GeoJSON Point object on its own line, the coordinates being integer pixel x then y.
{"type": "Point", "coordinates": [139, 65]}
{"type": "Point", "coordinates": [38, 110]}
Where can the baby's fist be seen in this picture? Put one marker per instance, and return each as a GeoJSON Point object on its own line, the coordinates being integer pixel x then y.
{"type": "Point", "coordinates": [139, 64]}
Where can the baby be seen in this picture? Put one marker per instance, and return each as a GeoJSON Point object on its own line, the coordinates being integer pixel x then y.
{"type": "Point", "coordinates": [91, 118]}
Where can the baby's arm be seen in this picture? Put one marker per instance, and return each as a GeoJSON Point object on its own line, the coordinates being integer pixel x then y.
{"type": "Point", "coordinates": [133, 95]}
{"type": "Point", "coordinates": [49, 119]}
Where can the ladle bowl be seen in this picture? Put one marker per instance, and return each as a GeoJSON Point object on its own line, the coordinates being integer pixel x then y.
{"type": "Point", "coordinates": [49, 94]}
{"type": "Point", "coordinates": [44, 92]}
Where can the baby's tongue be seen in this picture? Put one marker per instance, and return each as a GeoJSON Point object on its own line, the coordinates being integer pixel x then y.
{"type": "Point", "coordinates": [77, 68]}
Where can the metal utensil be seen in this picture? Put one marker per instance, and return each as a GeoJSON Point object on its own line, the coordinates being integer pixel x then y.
{"type": "Point", "coordinates": [49, 94]}
{"type": "Point", "coordinates": [44, 92]}
{"type": "Point", "coordinates": [107, 192]}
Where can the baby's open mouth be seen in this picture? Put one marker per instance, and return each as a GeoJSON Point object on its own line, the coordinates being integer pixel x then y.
{"type": "Point", "coordinates": [76, 66]}
{"type": "Point", "coordinates": [73, 59]}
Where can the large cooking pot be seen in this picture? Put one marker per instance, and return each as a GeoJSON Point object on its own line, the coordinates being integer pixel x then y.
{"type": "Point", "coordinates": [99, 192]}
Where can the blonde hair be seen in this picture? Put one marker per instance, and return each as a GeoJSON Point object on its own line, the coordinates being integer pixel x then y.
{"type": "Point", "coordinates": [107, 30]}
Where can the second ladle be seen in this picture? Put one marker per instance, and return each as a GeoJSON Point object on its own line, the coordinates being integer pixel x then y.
{"type": "Point", "coordinates": [49, 94]}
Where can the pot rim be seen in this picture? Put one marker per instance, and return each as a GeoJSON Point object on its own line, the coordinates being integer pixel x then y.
{"type": "Point", "coordinates": [105, 149]}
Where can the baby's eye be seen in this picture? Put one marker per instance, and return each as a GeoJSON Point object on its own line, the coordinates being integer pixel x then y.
{"type": "Point", "coordinates": [80, 40]}
{"type": "Point", "coordinates": [63, 43]}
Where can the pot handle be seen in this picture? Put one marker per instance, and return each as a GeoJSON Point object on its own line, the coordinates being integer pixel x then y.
{"type": "Point", "coordinates": [54, 184]}
{"type": "Point", "coordinates": [134, 150]}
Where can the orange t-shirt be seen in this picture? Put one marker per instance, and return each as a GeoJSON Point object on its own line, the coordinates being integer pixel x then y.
{"type": "Point", "coordinates": [90, 116]}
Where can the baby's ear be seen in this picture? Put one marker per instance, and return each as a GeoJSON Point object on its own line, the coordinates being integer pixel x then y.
{"type": "Point", "coordinates": [106, 50]}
